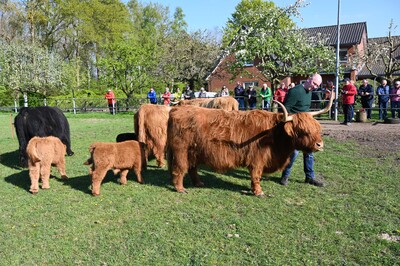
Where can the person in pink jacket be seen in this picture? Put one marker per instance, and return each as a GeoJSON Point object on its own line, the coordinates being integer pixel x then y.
{"type": "Point", "coordinates": [395, 100]}
{"type": "Point", "coordinates": [348, 93]}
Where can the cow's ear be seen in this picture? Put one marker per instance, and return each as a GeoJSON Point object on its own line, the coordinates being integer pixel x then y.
{"type": "Point", "coordinates": [289, 129]}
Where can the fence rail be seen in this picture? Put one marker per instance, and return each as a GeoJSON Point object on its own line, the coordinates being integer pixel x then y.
{"type": "Point", "coordinates": [82, 105]}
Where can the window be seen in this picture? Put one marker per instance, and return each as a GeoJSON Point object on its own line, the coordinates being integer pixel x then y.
{"type": "Point", "coordinates": [248, 64]}
{"type": "Point", "coordinates": [343, 55]}
{"type": "Point", "coordinates": [247, 84]}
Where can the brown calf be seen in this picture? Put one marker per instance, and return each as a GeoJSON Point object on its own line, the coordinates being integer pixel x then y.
{"type": "Point", "coordinates": [121, 157]}
{"type": "Point", "coordinates": [42, 154]}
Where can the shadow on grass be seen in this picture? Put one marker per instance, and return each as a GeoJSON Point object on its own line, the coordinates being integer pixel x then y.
{"type": "Point", "coordinates": [20, 180]}
{"type": "Point", "coordinates": [11, 160]}
{"type": "Point", "coordinates": [155, 177]}
{"type": "Point", "coordinates": [80, 183]}
{"type": "Point", "coordinates": [244, 174]}
{"type": "Point", "coordinates": [23, 181]}
{"type": "Point", "coordinates": [160, 177]}
{"type": "Point", "coordinates": [83, 183]}
{"type": "Point", "coordinates": [275, 179]}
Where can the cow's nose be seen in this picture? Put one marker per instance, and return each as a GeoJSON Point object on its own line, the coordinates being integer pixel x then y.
{"type": "Point", "coordinates": [319, 146]}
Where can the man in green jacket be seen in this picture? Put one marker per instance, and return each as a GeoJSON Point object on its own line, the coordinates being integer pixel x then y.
{"type": "Point", "coordinates": [297, 100]}
{"type": "Point", "coordinates": [265, 94]}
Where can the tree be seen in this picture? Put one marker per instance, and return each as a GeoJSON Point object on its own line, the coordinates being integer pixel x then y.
{"type": "Point", "coordinates": [173, 48]}
{"type": "Point", "coordinates": [28, 68]}
{"type": "Point", "coordinates": [264, 34]}
{"type": "Point", "coordinates": [198, 57]}
{"type": "Point", "coordinates": [382, 51]}
{"type": "Point", "coordinates": [127, 65]}
{"type": "Point", "coordinates": [11, 21]}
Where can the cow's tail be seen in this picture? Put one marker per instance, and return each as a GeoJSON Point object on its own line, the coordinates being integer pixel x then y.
{"type": "Point", "coordinates": [31, 150]}
{"type": "Point", "coordinates": [139, 126]}
{"type": "Point", "coordinates": [90, 160]}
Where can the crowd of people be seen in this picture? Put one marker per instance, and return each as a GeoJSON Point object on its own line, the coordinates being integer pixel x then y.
{"type": "Point", "coordinates": [248, 97]}
{"type": "Point", "coordinates": [384, 93]}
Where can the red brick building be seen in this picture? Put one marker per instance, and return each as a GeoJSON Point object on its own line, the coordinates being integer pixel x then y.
{"type": "Point", "coordinates": [353, 37]}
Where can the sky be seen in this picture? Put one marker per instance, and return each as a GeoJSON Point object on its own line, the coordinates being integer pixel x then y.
{"type": "Point", "coordinates": [213, 14]}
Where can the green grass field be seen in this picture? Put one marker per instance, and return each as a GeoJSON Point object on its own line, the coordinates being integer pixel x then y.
{"type": "Point", "coordinates": [220, 224]}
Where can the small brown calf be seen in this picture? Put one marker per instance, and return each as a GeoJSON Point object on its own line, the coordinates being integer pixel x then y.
{"type": "Point", "coordinates": [120, 157]}
{"type": "Point", "coordinates": [42, 154]}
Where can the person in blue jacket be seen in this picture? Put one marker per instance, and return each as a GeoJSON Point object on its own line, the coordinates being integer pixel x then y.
{"type": "Point", "coordinates": [383, 92]}
{"type": "Point", "coordinates": [152, 96]}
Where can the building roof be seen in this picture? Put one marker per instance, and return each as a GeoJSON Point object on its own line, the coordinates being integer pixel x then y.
{"type": "Point", "coordinates": [381, 40]}
{"type": "Point", "coordinates": [350, 34]}
{"type": "Point", "coordinates": [377, 68]}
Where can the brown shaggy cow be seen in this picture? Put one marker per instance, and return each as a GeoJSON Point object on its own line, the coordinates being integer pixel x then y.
{"type": "Point", "coordinates": [151, 129]}
{"type": "Point", "coordinates": [226, 103]}
{"type": "Point", "coordinates": [151, 123]}
{"type": "Point", "coordinates": [258, 140]}
{"type": "Point", "coordinates": [120, 157]}
{"type": "Point", "coordinates": [42, 154]}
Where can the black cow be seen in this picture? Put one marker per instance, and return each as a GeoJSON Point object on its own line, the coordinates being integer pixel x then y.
{"type": "Point", "coordinates": [40, 122]}
{"type": "Point", "coordinates": [126, 136]}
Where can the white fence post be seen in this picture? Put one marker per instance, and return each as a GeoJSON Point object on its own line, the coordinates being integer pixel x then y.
{"type": "Point", "coordinates": [73, 100]}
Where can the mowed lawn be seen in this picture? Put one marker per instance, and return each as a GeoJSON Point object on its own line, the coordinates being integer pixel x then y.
{"type": "Point", "coordinates": [344, 223]}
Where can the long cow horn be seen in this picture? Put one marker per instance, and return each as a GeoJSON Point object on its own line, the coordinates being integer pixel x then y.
{"type": "Point", "coordinates": [286, 116]}
{"type": "Point", "coordinates": [327, 108]}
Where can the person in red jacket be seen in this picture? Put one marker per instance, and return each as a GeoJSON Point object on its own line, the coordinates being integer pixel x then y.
{"type": "Point", "coordinates": [280, 93]}
{"type": "Point", "coordinates": [111, 101]}
{"type": "Point", "coordinates": [348, 93]}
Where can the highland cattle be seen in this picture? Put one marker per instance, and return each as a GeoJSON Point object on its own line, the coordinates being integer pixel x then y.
{"type": "Point", "coordinates": [41, 122]}
{"type": "Point", "coordinates": [258, 140]}
{"type": "Point", "coordinates": [42, 153]}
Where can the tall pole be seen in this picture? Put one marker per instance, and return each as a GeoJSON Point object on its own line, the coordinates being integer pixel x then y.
{"type": "Point", "coordinates": [337, 62]}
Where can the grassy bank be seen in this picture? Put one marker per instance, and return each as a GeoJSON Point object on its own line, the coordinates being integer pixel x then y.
{"type": "Point", "coordinates": [220, 224]}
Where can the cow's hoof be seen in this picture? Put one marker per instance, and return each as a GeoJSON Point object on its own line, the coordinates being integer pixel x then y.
{"type": "Point", "coordinates": [45, 188]}
{"type": "Point", "coordinates": [64, 177]}
{"type": "Point", "coordinates": [183, 191]}
{"type": "Point", "coordinates": [95, 194]}
{"type": "Point", "coordinates": [34, 191]}
{"type": "Point", "coordinates": [261, 196]}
